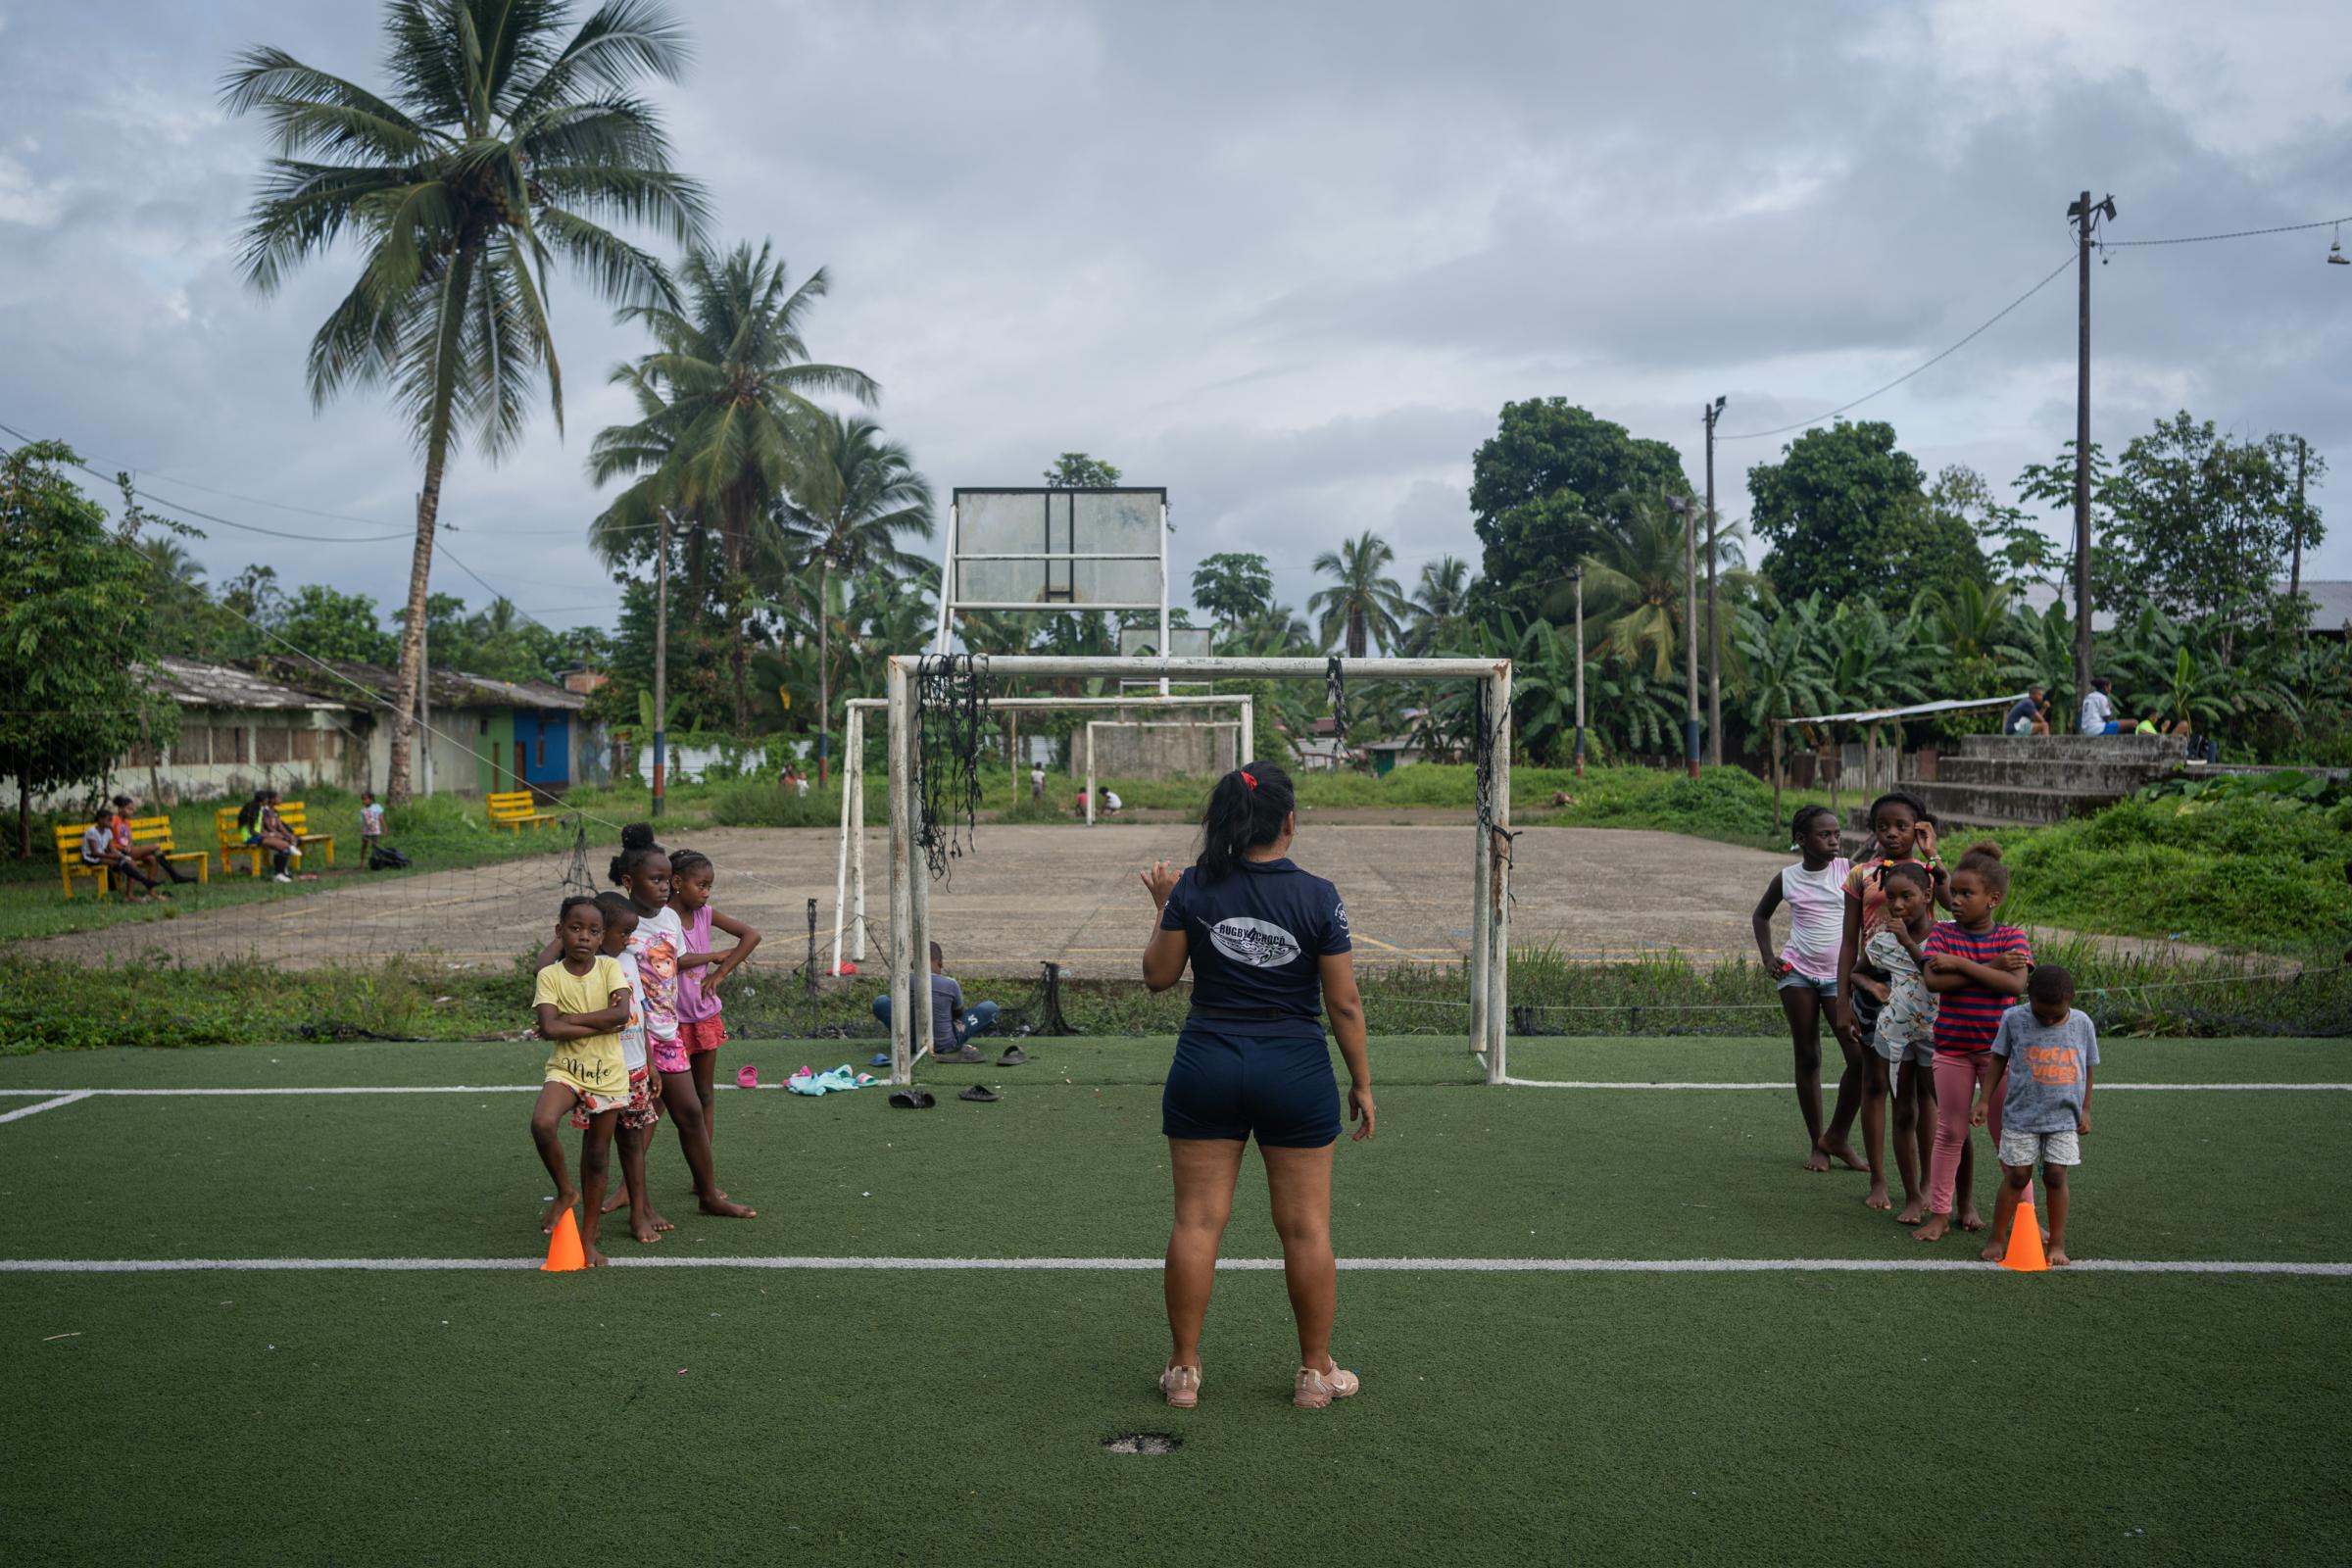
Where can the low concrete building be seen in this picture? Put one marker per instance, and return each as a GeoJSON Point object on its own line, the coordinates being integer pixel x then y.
{"type": "Point", "coordinates": [486, 735]}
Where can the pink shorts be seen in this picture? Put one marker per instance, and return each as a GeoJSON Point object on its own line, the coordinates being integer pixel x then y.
{"type": "Point", "coordinates": [709, 1034]}
{"type": "Point", "coordinates": [668, 1056]}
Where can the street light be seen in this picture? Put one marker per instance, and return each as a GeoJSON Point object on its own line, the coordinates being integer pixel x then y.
{"type": "Point", "coordinates": [1681, 509]}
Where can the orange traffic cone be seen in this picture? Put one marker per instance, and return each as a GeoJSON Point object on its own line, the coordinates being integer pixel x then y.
{"type": "Point", "coordinates": [564, 1252]}
{"type": "Point", "coordinates": [2024, 1253]}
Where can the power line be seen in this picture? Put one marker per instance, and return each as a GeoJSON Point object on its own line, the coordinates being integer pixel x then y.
{"type": "Point", "coordinates": [1986, 325]}
{"type": "Point", "coordinates": [225, 523]}
{"type": "Point", "coordinates": [2236, 233]}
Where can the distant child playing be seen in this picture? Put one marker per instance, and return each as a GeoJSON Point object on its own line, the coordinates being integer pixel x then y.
{"type": "Point", "coordinates": [642, 870]}
{"type": "Point", "coordinates": [582, 1002]}
{"type": "Point", "coordinates": [372, 824]}
{"type": "Point", "coordinates": [2044, 1056]}
{"type": "Point", "coordinates": [1904, 1035]}
{"type": "Point", "coordinates": [1904, 832]}
{"type": "Point", "coordinates": [1805, 971]}
{"type": "Point", "coordinates": [701, 971]}
{"type": "Point", "coordinates": [1977, 967]}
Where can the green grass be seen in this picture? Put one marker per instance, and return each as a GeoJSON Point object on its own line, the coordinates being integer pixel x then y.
{"type": "Point", "coordinates": [858, 1418]}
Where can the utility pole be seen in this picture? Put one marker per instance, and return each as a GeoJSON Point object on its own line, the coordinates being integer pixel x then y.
{"type": "Point", "coordinates": [2295, 582]}
{"type": "Point", "coordinates": [2085, 215]}
{"type": "Point", "coordinates": [660, 655]}
{"type": "Point", "coordinates": [1714, 412]}
{"type": "Point", "coordinates": [1683, 507]}
{"type": "Point", "coordinates": [1579, 576]}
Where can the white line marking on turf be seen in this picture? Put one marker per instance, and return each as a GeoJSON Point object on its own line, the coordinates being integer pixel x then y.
{"type": "Point", "coordinates": [1376, 1265]}
{"type": "Point", "coordinates": [1613, 1083]}
{"type": "Point", "coordinates": [66, 1096]}
{"type": "Point", "coordinates": [65, 1099]}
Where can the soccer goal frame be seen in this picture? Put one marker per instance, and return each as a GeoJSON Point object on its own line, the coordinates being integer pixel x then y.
{"type": "Point", "coordinates": [1239, 755]}
{"type": "Point", "coordinates": [912, 1029]}
{"type": "Point", "coordinates": [849, 876]}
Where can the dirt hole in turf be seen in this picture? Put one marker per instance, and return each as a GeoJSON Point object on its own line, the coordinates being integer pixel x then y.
{"type": "Point", "coordinates": [1143, 1443]}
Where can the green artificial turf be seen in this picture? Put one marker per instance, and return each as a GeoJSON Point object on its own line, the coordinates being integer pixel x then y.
{"type": "Point", "coordinates": [724, 1415]}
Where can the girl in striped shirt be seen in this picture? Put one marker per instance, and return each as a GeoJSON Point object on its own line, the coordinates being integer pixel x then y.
{"type": "Point", "coordinates": [1977, 967]}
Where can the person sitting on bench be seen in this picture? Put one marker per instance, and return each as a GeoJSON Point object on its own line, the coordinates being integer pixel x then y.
{"type": "Point", "coordinates": [950, 1018]}
{"type": "Point", "coordinates": [98, 850]}
{"type": "Point", "coordinates": [147, 856]}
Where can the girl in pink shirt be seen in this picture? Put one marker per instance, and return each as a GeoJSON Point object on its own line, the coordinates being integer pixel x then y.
{"type": "Point", "coordinates": [1805, 969]}
{"type": "Point", "coordinates": [701, 1029]}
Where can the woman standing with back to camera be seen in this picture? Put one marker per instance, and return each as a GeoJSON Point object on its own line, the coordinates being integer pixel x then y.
{"type": "Point", "coordinates": [1269, 952]}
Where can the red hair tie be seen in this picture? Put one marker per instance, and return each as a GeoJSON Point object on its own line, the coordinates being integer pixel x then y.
{"type": "Point", "coordinates": [1248, 778]}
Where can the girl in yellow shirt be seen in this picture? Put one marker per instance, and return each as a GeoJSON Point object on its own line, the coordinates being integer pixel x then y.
{"type": "Point", "coordinates": [582, 1001]}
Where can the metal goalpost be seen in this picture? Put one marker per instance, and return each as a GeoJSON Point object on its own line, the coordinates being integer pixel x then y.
{"type": "Point", "coordinates": [849, 876]}
{"type": "Point", "coordinates": [911, 1022]}
{"type": "Point", "coordinates": [1241, 753]}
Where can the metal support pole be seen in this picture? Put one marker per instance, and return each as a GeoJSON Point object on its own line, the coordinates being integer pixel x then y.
{"type": "Point", "coordinates": [1481, 870]}
{"type": "Point", "coordinates": [1714, 633]}
{"type": "Point", "coordinates": [1498, 851]}
{"type": "Point", "coordinates": [2082, 222]}
{"type": "Point", "coordinates": [947, 580]}
{"type": "Point", "coordinates": [1579, 671]}
{"type": "Point", "coordinates": [841, 869]}
{"type": "Point", "coordinates": [1090, 773]}
{"type": "Point", "coordinates": [924, 1033]}
{"type": "Point", "coordinates": [1690, 639]}
{"type": "Point", "coordinates": [1163, 594]}
{"type": "Point", "coordinates": [1248, 745]}
{"type": "Point", "coordinates": [855, 781]}
{"type": "Point", "coordinates": [2295, 580]}
{"type": "Point", "coordinates": [660, 657]}
{"type": "Point", "coordinates": [905, 996]}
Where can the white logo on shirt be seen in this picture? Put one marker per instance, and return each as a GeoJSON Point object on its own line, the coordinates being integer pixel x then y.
{"type": "Point", "coordinates": [1259, 944]}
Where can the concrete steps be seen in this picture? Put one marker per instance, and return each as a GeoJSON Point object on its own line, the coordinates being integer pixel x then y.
{"type": "Point", "coordinates": [1996, 781]}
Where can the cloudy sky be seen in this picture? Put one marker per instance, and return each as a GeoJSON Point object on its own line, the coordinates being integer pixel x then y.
{"type": "Point", "coordinates": [1287, 260]}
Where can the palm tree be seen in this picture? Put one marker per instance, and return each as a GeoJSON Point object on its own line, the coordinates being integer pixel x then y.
{"type": "Point", "coordinates": [1634, 589]}
{"type": "Point", "coordinates": [724, 405]}
{"type": "Point", "coordinates": [1440, 602]}
{"type": "Point", "coordinates": [1360, 601]}
{"type": "Point", "coordinates": [852, 494]}
{"type": "Point", "coordinates": [504, 145]}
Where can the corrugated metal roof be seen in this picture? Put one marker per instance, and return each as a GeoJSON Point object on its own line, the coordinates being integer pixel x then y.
{"type": "Point", "coordinates": [449, 689]}
{"type": "Point", "coordinates": [199, 685]}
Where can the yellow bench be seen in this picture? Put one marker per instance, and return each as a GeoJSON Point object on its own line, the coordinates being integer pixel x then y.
{"type": "Point", "coordinates": [233, 837]}
{"type": "Point", "coordinates": [517, 810]}
{"type": "Point", "coordinates": [69, 863]}
{"type": "Point", "coordinates": [155, 830]}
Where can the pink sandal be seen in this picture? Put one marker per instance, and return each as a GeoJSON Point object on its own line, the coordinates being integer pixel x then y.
{"type": "Point", "coordinates": [1181, 1386]}
{"type": "Point", "coordinates": [1315, 1389]}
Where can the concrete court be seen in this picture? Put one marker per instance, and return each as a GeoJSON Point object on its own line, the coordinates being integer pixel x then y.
{"type": "Point", "coordinates": [1031, 891]}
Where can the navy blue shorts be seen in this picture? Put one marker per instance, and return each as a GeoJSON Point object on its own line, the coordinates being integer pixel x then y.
{"type": "Point", "coordinates": [1278, 1087]}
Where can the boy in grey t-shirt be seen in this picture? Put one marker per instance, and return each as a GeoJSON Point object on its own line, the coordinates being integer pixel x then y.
{"type": "Point", "coordinates": [2044, 1056]}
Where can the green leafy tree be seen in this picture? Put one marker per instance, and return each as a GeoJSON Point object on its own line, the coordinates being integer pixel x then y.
{"type": "Point", "coordinates": [76, 636]}
{"type": "Point", "coordinates": [505, 144]}
{"type": "Point", "coordinates": [726, 414]}
{"type": "Point", "coordinates": [1782, 674]}
{"type": "Point", "coordinates": [2203, 523]}
{"type": "Point", "coordinates": [853, 496]}
{"type": "Point", "coordinates": [1362, 605]}
{"type": "Point", "coordinates": [2019, 552]}
{"type": "Point", "coordinates": [1845, 515]}
{"type": "Point", "coordinates": [1440, 604]}
{"type": "Point", "coordinates": [1537, 485]}
{"type": "Point", "coordinates": [326, 624]}
{"type": "Point", "coordinates": [1232, 587]}
{"type": "Point", "coordinates": [1075, 470]}
{"type": "Point", "coordinates": [1633, 583]}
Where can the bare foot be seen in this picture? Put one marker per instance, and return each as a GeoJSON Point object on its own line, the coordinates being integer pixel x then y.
{"type": "Point", "coordinates": [1845, 1155]}
{"type": "Point", "coordinates": [2058, 1258]}
{"type": "Point", "coordinates": [1970, 1219]}
{"type": "Point", "coordinates": [1913, 1213]}
{"type": "Point", "coordinates": [641, 1227]}
{"type": "Point", "coordinates": [723, 1207]}
{"type": "Point", "coordinates": [555, 1211]}
{"type": "Point", "coordinates": [1819, 1159]}
{"type": "Point", "coordinates": [592, 1258]}
{"type": "Point", "coordinates": [1936, 1229]}
{"type": "Point", "coordinates": [660, 1223]}
{"type": "Point", "coordinates": [619, 1198]}
{"type": "Point", "coordinates": [1877, 1197]}
{"type": "Point", "coordinates": [1994, 1251]}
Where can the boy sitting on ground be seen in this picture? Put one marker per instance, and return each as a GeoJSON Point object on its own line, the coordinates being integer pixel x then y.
{"type": "Point", "coordinates": [950, 1018]}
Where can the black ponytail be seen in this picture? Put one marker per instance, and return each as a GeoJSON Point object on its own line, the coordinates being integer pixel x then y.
{"type": "Point", "coordinates": [636, 843]}
{"type": "Point", "coordinates": [1246, 812]}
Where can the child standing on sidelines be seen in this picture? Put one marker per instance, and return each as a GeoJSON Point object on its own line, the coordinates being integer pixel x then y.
{"type": "Point", "coordinates": [2044, 1058]}
{"type": "Point", "coordinates": [1977, 967]}
{"type": "Point", "coordinates": [1805, 971]}
{"type": "Point", "coordinates": [642, 870]}
{"type": "Point", "coordinates": [1904, 832]}
{"type": "Point", "coordinates": [1904, 1035]}
{"type": "Point", "coordinates": [582, 1002]}
{"type": "Point", "coordinates": [634, 1131]}
{"type": "Point", "coordinates": [372, 827]}
{"type": "Point", "coordinates": [700, 1030]}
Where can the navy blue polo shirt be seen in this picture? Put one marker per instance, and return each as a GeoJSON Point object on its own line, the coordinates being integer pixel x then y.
{"type": "Point", "coordinates": [1256, 936]}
